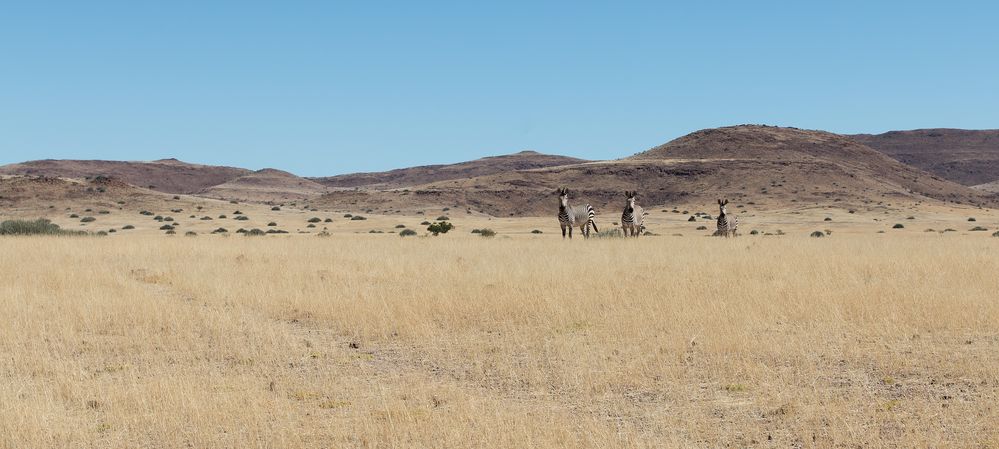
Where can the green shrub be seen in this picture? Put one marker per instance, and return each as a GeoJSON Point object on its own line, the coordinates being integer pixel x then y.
{"type": "Point", "coordinates": [315, 220]}
{"type": "Point", "coordinates": [242, 218]}
{"type": "Point", "coordinates": [898, 226]}
{"type": "Point", "coordinates": [222, 217]}
{"type": "Point", "coordinates": [328, 220]}
{"type": "Point", "coordinates": [276, 231]}
{"type": "Point", "coordinates": [190, 234]}
{"type": "Point", "coordinates": [347, 215]}
{"type": "Point", "coordinates": [406, 233]}
{"type": "Point", "coordinates": [818, 234]}
{"type": "Point", "coordinates": [971, 219]}
{"type": "Point", "coordinates": [220, 231]}
{"type": "Point", "coordinates": [357, 217]}
{"type": "Point", "coordinates": [754, 232]}
{"type": "Point", "coordinates": [87, 219]}
{"type": "Point", "coordinates": [74, 216]}
{"type": "Point", "coordinates": [827, 219]}
{"type": "Point", "coordinates": [166, 228]}
{"type": "Point", "coordinates": [476, 231]}
{"type": "Point", "coordinates": [40, 226]}
{"type": "Point", "coordinates": [440, 227]}
{"type": "Point", "coordinates": [145, 212]}
{"type": "Point", "coordinates": [995, 234]}
{"type": "Point", "coordinates": [400, 226]}
{"type": "Point", "coordinates": [536, 231]}
{"type": "Point", "coordinates": [254, 232]}
{"type": "Point", "coordinates": [424, 223]}
{"type": "Point", "coordinates": [979, 228]}
{"type": "Point", "coordinates": [443, 218]}
{"type": "Point", "coordinates": [691, 218]}
{"type": "Point", "coordinates": [126, 227]}
{"type": "Point", "coordinates": [610, 233]}
{"type": "Point", "coordinates": [167, 218]}
{"type": "Point", "coordinates": [487, 232]}
{"type": "Point", "coordinates": [275, 208]}
{"type": "Point", "coordinates": [311, 225]}
{"type": "Point", "coordinates": [206, 218]}
{"type": "Point", "coordinates": [702, 228]}
{"type": "Point", "coordinates": [273, 223]}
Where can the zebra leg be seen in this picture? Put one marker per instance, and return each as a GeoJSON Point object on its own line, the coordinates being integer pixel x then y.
{"type": "Point", "coordinates": [570, 232]}
{"type": "Point", "coordinates": [563, 231]}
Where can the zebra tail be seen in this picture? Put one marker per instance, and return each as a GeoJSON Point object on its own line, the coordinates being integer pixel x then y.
{"type": "Point", "coordinates": [592, 214]}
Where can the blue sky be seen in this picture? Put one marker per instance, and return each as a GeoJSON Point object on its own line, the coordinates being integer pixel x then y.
{"type": "Point", "coordinates": [330, 87]}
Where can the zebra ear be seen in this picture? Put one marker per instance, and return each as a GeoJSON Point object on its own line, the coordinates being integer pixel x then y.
{"type": "Point", "coordinates": [719, 202]}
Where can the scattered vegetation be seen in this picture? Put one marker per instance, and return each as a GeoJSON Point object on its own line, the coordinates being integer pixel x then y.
{"type": "Point", "coordinates": [536, 231]}
{"type": "Point", "coordinates": [978, 228]}
{"type": "Point", "coordinates": [818, 234]}
{"type": "Point", "coordinates": [254, 232]}
{"type": "Point", "coordinates": [357, 218]}
{"type": "Point", "coordinates": [898, 226]}
{"type": "Point", "coordinates": [87, 219]}
{"type": "Point", "coordinates": [126, 227]}
{"type": "Point", "coordinates": [315, 220]}
{"type": "Point", "coordinates": [443, 218]}
{"type": "Point", "coordinates": [487, 232]}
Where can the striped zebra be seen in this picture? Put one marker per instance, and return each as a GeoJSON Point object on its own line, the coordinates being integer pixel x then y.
{"type": "Point", "coordinates": [727, 224]}
{"type": "Point", "coordinates": [633, 215]}
{"type": "Point", "coordinates": [570, 216]}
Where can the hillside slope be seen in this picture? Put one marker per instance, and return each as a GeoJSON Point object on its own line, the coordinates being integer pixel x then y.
{"type": "Point", "coordinates": [265, 185]}
{"type": "Point", "coordinates": [967, 157]}
{"type": "Point", "coordinates": [405, 177]}
{"type": "Point", "coordinates": [165, 175]}
{"type": "Point", "coordinates": [765, 167]}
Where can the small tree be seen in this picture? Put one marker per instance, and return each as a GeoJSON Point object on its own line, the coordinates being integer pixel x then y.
{"type": "Point", "coordinates": [440, 227]}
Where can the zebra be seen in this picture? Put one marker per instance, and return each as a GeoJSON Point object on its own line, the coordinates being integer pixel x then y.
{"type": "Point", "coordinates": [633, 216]}
{"type": "Point", "coordinates": [570, 216]}
{"type": "Point", "coordinates": [727, 224]}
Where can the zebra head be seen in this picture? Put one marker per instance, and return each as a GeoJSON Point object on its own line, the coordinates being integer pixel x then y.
{"type": "Point", "coordinates": [630, 204]}
{"type": "Point", "coordinates": [563, 198]}
{"type": "Point", "coordinates": [721, 207]}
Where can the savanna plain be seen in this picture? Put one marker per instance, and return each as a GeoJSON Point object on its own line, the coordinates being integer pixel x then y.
{"type": "Point", "coordinates": [865, 340]}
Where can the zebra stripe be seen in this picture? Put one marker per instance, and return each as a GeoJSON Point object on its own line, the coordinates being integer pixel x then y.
{"type": "Point", "coordinates": [633, 216]}
{"type": "Point", "coordinates": [727, 224]}
{"type": "Point", "coordinates": [572, 216]}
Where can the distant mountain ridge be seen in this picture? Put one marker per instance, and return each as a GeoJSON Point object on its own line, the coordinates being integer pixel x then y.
{"type": "Point", "coordinates": [165, 175]}
{"type": "Point", "coordinates": [968, 157]}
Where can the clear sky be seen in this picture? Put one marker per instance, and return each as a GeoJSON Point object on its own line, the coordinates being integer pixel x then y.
{"type": "Point", "coordinates": [328, 87]}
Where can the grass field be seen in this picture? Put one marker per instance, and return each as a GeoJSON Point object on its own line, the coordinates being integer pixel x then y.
{"type": "Point", "coordinates": [376, 341]}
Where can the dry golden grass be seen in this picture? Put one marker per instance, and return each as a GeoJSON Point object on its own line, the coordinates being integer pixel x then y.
{"type": "Point", "coordinates": [377, 341]}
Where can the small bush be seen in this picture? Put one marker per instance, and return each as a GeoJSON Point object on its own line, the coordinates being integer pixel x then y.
{"type": "Point", "coordinates": [443, 218]}
{"type": "Point", "coordinates": [995, 234]}
{"type": "Point", "coordinates": [347, 215]}
{"type": "Point", "coordinates": [898, 226]}
{"type": "Point", "coordinates": [273, 223]}
{"type": "Point", "coordinates": [400, 226]}
{"type": "Point", "coordinates": [487, 232]}
{"type": "Point", "coordinates": [170, 232]}
{"type": "Point", "coordinates": [40, 226]}
{"type": "Point", "coordinates": [311, 225]}
{"type": "Point", "coordinates": [702, 228]}
{"type": "Point", "coordinates": [441, 227]}
{"type": "Point", "coordinates": [476, 231]}
{"type": "Point", "coordinates": [536, 231]}
{"type": "Point", "coordinates": [357, 218]}
{"type": "Point", "coordinates": [190, 234]}
{"type": "Point", "coordinates": [126, 227]}
{"type": "Point", "coordinates": [424, 223]}
{"type": "Point", "coordinates": [275, 208]}
{"type": "Point", "coordinates": [87, 219]}
{"type": "Point", "coordinates": [276, 231]}
{"type": "Point", "coordinates": [222, 217]}
{"type": "Point", "coordinates": [206, 218]}
{"type": "Point", "coordinates": [818, 234]}
{"type": "Point", "coordinates": [145, 212]}
{"type": "Point", "coordinates": [242, 218]}
{"type": "Point", "coordinates": [158, 218]}
{"type": "Point", "coordinates": [103, 212]}
{"type": "Point", "coordinates": [315, 220]}
{"type": "Point", "coordinates": [691, 218]}
{"type": "Point", "coordinates": [220, 231]}
{"type": "Point", "coordinates": [254, 232]}
{"type": "Point", "coordinates": [241, 231]}
{"type": "Point", "coordinates": [610, 233]}
{"type": "Point", "coordinates": [406, 233]}
{"type": "Point", "coordinates": [74, 216]}
{"type": "Point", "coordinates": [979, 228]}
{"type": "Point", "coordinates": [971, 219]}
{"type": "Point", "coordinates": [754, 232]}
{"type": "Point", "coordinates": [176, 197]}
{"type": "Point", "coordinates": [328, 220]}
{"type": "Point", "coordinates": [167, 218]}
{"type": "Point", "coordinates": [237, 213]}
{"type": "Point", "coordinates": [827, 219]}
{"type": "Point", "coordinates": [166, 228]}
